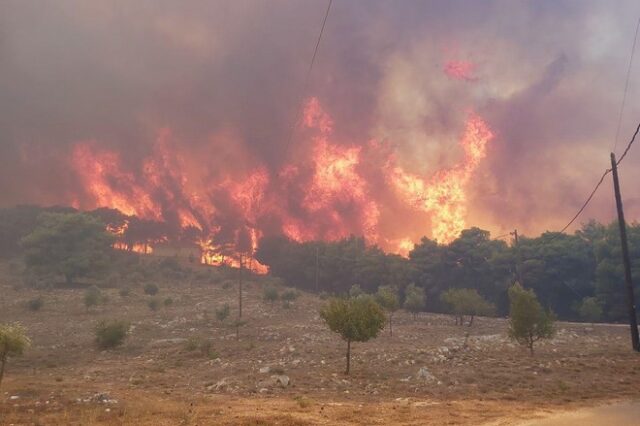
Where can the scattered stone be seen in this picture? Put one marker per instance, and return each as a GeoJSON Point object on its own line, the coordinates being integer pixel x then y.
{"type": "Point", "coordinates": [265, 370]}
{"type": "Point", "coordinates": [281, 380]}
{"type": "Point", "coordinates": [425, 374]}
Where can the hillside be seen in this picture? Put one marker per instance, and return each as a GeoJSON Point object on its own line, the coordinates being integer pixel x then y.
{"type": "Point", "coordinates": [286, 367]}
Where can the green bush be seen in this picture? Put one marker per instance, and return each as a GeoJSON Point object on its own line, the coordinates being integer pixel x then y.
{"type": "Point", "coordinates": [35, 304]}
{"type": "Point", "coordinates": [151, 289]}
{"type": "Point", "coordinates": [124, 292]}
{"type": "Point", "coordinates": [289, 295]}
{"type": "Point", "coordinates": [222, 312]}
{"type": "Point", "coordinates": [205, 346]}
{"type": "Point", "coordinates": [153, 304]}
{"type": "Point", "coordinates": [110, 334]}
{"type": "Point", "coordinates": [168, 302]}
{"type": "Point", "coordinates": [92, 297]}
{"type": "Point", "coordinates": [270, 294]}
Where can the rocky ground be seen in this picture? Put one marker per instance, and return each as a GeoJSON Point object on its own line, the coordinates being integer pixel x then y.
{"type": "Point", "coordinates": [287, 368]}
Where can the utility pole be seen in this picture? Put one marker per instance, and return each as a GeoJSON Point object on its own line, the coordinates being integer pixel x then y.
{"type": "Point", "coordinates": [240, 290]}
{"type": "Point", "coordinates": [317, 256]}
{"type": "Point", "coordinates": [518, 256]}
{"type": "Point", "coordinates": [631, 303]}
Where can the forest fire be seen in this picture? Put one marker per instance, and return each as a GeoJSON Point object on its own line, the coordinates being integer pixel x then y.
{"type": "Point", "coordinates": [336, 190]}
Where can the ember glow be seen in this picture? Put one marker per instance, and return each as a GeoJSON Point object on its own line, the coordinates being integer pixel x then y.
{"type": "Point", "coordinates": [329, 194]}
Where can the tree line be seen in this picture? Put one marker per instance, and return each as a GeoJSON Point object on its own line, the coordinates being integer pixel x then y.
{"type": "Point", "coordinates": [576, 276]}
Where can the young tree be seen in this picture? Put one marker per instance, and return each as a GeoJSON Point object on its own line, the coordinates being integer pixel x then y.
{"type": "Point", "coordinates": [13, 342]}
{"type": "Point", "coordinates": [92, 297]}
{"type": "Point", "coordinates": [590, 309]}
{"type": "Point", "coordinates": [529, 322]}
{"type": "Point", "coordinates": [355, 319]}
{"type": "Point", "coordinates": [73, 245]}
{"type": "Point", "coordinates": [466, 301]}
{"type": "Point", "coordinates": [387, 297]}
{"type": "Point", "coordinates": [414, 299]}
{"type": "Point", "coordinates": [270, 294]}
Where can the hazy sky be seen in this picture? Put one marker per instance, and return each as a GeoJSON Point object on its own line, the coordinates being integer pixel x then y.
{"type": "Point", "coordinates": [547, 76]}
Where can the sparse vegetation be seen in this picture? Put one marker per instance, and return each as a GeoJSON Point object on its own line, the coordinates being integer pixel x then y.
{"type": "Point", "coordinates": [110, 334]}
{"type": "Point", "coordinates": [356, 291]}
{"type": "Point", "coordinates": [222, 312]}
{"type": "Point", "coordinates": [35, 304]}
{"type": "Point", "coordinates": [355, 320]}
{"type": "Point", "coordinates": [124, 292]}
{"type": "Point", "coordinates": [287, 297]}
{"type": "Point", "coordinates": [92, 297]}
{"type": "Point", "coordinates": [466, 302]}
{"type": "Point", "coordinates": [414, 299]}
{"type": "Point", "coordinates": [13, 342]}
{"type": "Point", "coordinates": [529, 322]}
{"type": "Point", "coordinates": [387, 298]}
{"type": "Point", "coordinates": [167, 302]}
{"type": "Point", "coordinates": [270, 294]}
{"type": "Point", "coordinates": [153, 304]}
{"type": "Point", "coordinates": [151, 289]}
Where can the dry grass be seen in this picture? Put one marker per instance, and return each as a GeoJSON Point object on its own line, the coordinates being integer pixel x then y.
{"type": "Point", "coordinates": [157, 380]}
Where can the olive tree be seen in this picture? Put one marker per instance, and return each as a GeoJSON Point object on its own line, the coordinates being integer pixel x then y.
{"type": "Point", "coordinates": [387, 298]}
{"type": "Point", "coordinates": [355, 319]}
{"type": "Point", "coordinates": [13, 342]}
{"type": "Point", "coordinates": [466, 302]}
{"type": "Point", "coordinates": [529, 322]}
{"type": "Point", "coordinates": [414, 299]}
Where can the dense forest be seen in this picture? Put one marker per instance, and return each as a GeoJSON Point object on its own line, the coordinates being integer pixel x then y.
{"type": "Point", "coordinates": [564, 270]}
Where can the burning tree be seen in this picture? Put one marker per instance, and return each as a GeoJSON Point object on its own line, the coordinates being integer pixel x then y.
{"type": "Point", "coordinates": [355, 319]}
{"type": "Point", "coordinates": [73, 245]}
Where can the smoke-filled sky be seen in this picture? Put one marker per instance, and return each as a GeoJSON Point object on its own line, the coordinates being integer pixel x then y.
{"type": "Point", "coordinates": [546, 76]}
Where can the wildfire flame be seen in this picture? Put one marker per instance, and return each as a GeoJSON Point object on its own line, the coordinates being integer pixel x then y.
{"type": "Point", "coordinates": [326, 194]}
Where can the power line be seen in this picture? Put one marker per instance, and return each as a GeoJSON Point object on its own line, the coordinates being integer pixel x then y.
{"type": "Point", "coordinates": [626, 86]}
{"type": "Point", "coordinates": [306, 80]}
{"type": "Point", "coordinates": [595, 189]}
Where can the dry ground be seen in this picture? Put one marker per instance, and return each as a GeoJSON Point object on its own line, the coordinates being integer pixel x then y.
{"type": "Point", "coordinates": [154, 379]}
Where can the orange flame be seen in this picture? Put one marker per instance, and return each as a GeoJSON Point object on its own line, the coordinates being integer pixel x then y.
{"type": "Point", "coordinates": [332, 192]}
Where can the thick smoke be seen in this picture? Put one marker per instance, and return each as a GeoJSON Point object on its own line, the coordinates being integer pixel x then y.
{"type": "Point", "coordinates": [224, 80]}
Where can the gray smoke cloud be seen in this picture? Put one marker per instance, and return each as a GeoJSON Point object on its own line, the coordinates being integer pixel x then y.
{"type": "Point", "coordinates": [547, 77]}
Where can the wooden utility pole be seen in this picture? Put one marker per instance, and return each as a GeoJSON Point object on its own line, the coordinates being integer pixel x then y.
{"type": "Point", "coordinates": [518, 256]}
{"type": "Point", "coordinates": [240, 290]}
{"type": "Point", "coordinates": [317, 256]}
{"type": "Point", "coordinates": [631, 301]}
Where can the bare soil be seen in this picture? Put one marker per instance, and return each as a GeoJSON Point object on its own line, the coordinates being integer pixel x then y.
{"type": "Point", "coordinates": [154, 378]}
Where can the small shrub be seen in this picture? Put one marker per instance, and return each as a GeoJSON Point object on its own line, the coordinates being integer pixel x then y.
{"type": "Point", "coordinates": [153, 304]}
{"type": "Point", "coordinates": [192, 343]}
{"type": "Point", "coordinates": [227, 284]}
{"type": "Point", "coordinates": [124, 292]}
{"type": "Point", "coordinates": [35, 304]}
{"type": "Point", "coordinates": [324, 295]}
{"type": "Point", "coordinates": [151, 289]}
{"type": "Point", "coordinates": [222, 312]}
{"type": "Point", "coordinates": [355, 291]}
{"type": "Point", "coordinates": [205, 346]}
{"type": "Point", "coordinates": [168, 302]}
{"type": "Point", "coordinates": [289, 295]}
{"type": "Point", "coordinates": [92, 297]}
{"type": "Point", "coordinates": [278, 370]}
{"type": "Point", "coordinates": [270, 294]}
{"type": "Point", "coordinates": [13, 342]}
{"type": "Point", "coordinates": [110, 334]}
